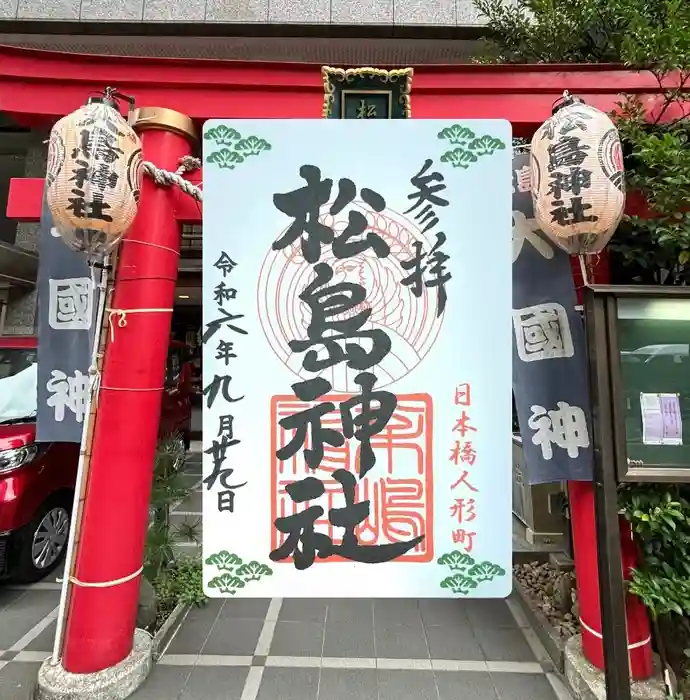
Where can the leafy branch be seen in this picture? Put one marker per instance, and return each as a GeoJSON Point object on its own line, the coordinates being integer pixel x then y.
{"type": "Point", "coordinates": [660, 519]}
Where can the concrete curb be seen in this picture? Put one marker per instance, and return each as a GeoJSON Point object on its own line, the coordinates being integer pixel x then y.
{"type": "Point", "coordinates": [588, 683]}
{"type": "Point", "coordinates": [169, 629]}
{"type": "Point", "coordinates": [115, 683]}
{"type": "Point", "coordinates": [553, 642]}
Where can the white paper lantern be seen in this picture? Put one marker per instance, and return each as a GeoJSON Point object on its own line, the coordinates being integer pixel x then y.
{"type": "Point", "coordinates": [93, 177]}
{"type": "Point", "coordinates": [578, 183]}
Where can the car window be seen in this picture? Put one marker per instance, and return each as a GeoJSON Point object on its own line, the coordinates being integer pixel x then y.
{"type": "Point", "coordinates": [18, 377]}
{"type": "Point", "coordinates": [15, 360]}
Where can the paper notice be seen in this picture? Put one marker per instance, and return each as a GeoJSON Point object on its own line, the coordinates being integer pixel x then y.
{"type": "Point", "coordinates": [661, 420]}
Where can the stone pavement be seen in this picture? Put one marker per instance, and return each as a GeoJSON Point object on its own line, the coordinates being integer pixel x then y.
{"type": "Point", "coordinates": [27, 630]}
{"type": "Point", "coordinates": [303, 649]}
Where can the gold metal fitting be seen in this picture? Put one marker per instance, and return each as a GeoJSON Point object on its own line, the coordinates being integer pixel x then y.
{"type": "Point", "coordinates": [166, 120]}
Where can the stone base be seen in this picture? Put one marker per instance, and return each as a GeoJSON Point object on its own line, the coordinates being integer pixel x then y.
{"type": "Point", "coordinates": [588, 683]}
{"type": "Point", "coordinates": [115, 683]}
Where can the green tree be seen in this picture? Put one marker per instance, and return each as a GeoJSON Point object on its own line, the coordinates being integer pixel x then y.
{"type": "Point", "coordinates": [650, 34]}
{"type": "Point", "coordinates": [644, 35]}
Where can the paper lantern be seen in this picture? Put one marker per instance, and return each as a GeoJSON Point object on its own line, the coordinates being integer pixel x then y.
{"type": "Point", "coordinates": [578, 184]}
{"type": "Point", "coordinates": [94, 177]}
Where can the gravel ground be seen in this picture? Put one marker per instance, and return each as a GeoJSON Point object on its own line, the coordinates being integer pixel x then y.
{"type": "Point", "coordinates": [553, 593]}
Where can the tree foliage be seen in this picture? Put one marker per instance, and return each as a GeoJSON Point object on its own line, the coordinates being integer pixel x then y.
{"type": "Point", "coordinates": [644, 35]}
{"type": "Point", "coordinates": [653, 34]}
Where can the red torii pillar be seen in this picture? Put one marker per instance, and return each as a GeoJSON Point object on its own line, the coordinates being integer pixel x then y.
{"type": "Point", "coordinates": [582, 513]}
{"type": "Point", "coordinates": [109, 552]}
{"type": "Point", "coordinates": [101, 620]}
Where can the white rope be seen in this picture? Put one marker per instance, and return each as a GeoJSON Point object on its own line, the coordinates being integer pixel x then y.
{"type": "Point", "coordinates": [104, 584]}
{"type": "Point", "coordinates": [164, 178]}
{"type": "Point", "coordinates": [122, 317]}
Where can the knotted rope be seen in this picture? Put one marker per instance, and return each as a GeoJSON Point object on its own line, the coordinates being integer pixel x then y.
{"type": "Point", "coordinates": [164, 178]}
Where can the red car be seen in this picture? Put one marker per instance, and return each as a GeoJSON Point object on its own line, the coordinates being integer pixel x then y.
{"type": "Point", "coordinates": [37, 480]}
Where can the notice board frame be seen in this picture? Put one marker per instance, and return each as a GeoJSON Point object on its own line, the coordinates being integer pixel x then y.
{"type": "Point", "coordinates": [611, 464]}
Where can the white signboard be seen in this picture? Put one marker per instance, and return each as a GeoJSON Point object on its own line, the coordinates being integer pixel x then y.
{"type": "Point", "coordinates": [357, 358]}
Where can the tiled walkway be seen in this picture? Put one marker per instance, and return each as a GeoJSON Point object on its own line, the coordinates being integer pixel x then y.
{"type": "Point", "coordinates": [351, 649]}
{"type": "Point", "coordinates": [354, 650]}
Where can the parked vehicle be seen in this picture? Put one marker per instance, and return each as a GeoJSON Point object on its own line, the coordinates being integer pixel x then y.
{"type": "Point", "coordinates": [37, 480]}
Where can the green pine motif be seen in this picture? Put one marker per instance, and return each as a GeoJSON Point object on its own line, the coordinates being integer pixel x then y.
{"type": "Point", "coordinates": [232, 147]}
{"type": "Point", "coordinates": [465, 573]}
{"type": "Point", "coordinates": [233, 573]}
{"type": "Point", "coordinates": [468, 146]}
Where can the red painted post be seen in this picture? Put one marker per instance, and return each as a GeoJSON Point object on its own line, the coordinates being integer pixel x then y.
{"type": "Point", "coordinates": [581, 499]}
{"type": "Point", "coordinates": [101, 620]}
{"type": "Point", "coordinates": [581, 496]}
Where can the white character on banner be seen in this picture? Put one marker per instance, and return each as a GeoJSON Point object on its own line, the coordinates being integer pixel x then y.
{"type": "Point", "coordinates": [565, 427]}
{"type": "Point", "coordinates": [542, 332]}
{"type": "Point", "coordinates": [68, 393]}
{"type": "Point", "coordinates": [70, 305]}
{"type": "Point", "coordinates": [525, 229]}
{"type": "Point", "coordinates": [523, 179]}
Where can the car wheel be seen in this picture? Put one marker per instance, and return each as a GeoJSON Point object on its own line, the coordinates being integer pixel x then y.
{"type": "Point", "coordinates": [41, 545]}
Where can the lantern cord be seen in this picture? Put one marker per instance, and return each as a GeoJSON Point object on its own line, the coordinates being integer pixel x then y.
{"type": "Point", "coordinates": [122, 317]}
{"type": "Point", "coordinates": [165, 178]}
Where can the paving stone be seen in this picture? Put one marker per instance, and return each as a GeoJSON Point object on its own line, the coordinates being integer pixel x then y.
{"type": "Point", "coordinates": [396, 612]}
{"type": "Point", "coordinates": [297, 639]}
{"type": "Point", "coordinates": [485, 613]}
{"type": "Point", "coordinates": [457, 642]}
{"type": "Point", "coordinates": [163, 682]}
{"type": "Point", "coordinates": [349, 640]}
{"type": "Point", "coordinates": [401, 642]}
{"type": "Point", "coordinates": [214, 683]}
{"type": "Point", "coordinates": [353, 610]}
{"type": "Point", "coordinates": [442, 612]}
{"type": "Point", "coordinates": [24, 614]}
{"type": "Point", "coordinates": [399, 685]}
{"type": "Point", "coordinates": [303, 610]}
{"type": "Point", "coordinates": [245, 608]}
{"type": "Point", "coordinates": [348, 684]}
{"type": "Point", "coordinates": [18, 680]}
{"type": "Point", "coordinates": [236, 637]}
{"type": "Point", "coordinates": [522, 686]}
{"type": "Point", "coordinates": [290, 684]}
{"type": "Point", "coordinates": [504, 644]}
{"type": "Point", "coordinates": [196, 628]}
{"type": "Point", "coordinates": [473, 685]}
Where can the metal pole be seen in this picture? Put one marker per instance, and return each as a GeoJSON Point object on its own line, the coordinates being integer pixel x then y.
{"type": "Point", "coordinates": [91, 400]}
{"type": "Point", "coordinates": [611, 586]}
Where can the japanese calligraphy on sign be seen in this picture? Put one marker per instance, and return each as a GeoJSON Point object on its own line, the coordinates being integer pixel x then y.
{"type": "Point", "coordinates": [355, 435]}
{"type": "Point", "coordinates": [549, 357]}
{"type": "Point", "coordinates": [67, 302]}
